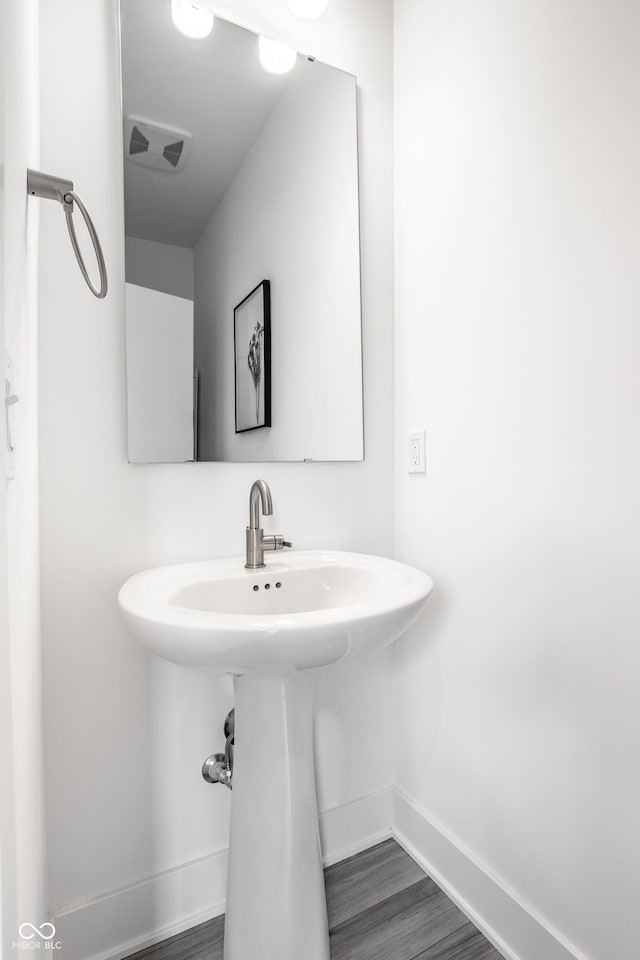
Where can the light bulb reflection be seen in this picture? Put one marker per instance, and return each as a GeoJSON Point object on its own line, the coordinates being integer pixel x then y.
{"type": "Point", "coordinates": [276, 57]}
{"type": "Point", "coordinates": [191, 19]}
{"type": "Point", "coordinates": [308, 9]}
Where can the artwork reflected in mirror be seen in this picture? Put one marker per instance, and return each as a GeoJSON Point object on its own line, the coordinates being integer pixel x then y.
{"type": "Point", "coordinates": [252, 339]}
{"type": "Point", "coordinates": [232, 175]}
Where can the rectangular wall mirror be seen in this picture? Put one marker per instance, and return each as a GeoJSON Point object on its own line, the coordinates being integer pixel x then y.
{"type": "Point", "coordinates": [240, 187]}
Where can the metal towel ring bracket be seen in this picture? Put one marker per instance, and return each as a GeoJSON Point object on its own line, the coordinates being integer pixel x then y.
{"type": "Point", "coordinates": [45, 186]}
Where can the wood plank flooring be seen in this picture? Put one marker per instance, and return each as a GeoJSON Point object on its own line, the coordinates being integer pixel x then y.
{"type": "Point", "coordinates": [381, 906]}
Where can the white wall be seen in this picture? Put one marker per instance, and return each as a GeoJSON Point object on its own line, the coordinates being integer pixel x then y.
{"type": "Point", "coordinates": [22, 836]}
{"type": "Point", "coordinates": [125, 735]}
{"type": "Point", "coordinates": [518, 203]}
{"type": "Point", "coordinates": [8, 907]}
{"type": "Point", "coordinates": [159, 347]}
{"type": "Point", "coordinates": [159, 266]}
{"type": "Point", "coordinates": [301, 233]}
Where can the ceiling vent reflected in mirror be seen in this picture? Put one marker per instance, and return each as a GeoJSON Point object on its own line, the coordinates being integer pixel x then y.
{"type": "Point", "coordinates": [156, 147]}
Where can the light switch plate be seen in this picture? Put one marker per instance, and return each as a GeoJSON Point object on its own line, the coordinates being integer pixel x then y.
{"type": "Point", "coordinates": [416, 453]}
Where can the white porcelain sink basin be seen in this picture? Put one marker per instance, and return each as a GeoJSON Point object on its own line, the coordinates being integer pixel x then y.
{"type": "Point", "coordinates": [269, 628]}
{"type": "Point", "coordinates": [310, 609]}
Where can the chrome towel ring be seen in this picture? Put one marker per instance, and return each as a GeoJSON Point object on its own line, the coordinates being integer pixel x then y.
{"type": "Point", "coordinates": [45, 186]}
{"type": "Point", "coordinates": [68, 213]}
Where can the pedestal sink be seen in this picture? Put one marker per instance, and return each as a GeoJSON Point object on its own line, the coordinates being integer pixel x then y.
{"type": "Point", "coordinates": [270, 628]}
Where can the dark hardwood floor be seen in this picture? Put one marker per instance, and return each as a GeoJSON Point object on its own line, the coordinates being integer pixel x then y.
{"type": "Point", "coordinates": [381, 907]}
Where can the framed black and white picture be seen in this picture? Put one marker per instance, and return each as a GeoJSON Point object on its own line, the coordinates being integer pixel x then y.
{"type": "Point", "coordinates": [252, 348]}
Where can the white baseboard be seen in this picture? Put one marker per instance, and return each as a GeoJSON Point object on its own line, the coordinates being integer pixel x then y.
{"type": "Point", "coordinates": [356, 826]}
{"type": "Point", "coordinates": [513, 927]}
{"type": "Point", "coordinates": [123, 921]}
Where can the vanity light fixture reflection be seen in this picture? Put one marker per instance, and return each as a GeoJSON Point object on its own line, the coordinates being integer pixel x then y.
{"type": "Point", "coordinates": [276, 57]}
{"type": "Point", "coordinates": [191, 19]}
{"type": "Point", "coordinates": [308, 9]}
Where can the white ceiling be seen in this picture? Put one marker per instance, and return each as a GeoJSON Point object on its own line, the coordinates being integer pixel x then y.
{"type": "Point", "coordinates": [214, 89]}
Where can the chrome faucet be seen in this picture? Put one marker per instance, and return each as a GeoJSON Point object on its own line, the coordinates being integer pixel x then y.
{"type": "Point", "coordinates": [257, 543]}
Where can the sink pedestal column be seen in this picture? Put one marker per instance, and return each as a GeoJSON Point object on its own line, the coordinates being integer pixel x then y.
{"type": "Point", "coordinates": [276, 908]}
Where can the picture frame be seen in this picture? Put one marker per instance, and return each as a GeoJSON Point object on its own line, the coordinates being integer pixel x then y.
{"type": "Point", "coordinates": [252, 359]}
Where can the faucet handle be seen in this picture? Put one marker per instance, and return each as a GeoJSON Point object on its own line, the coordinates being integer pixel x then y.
{"type": "Point", "coordinates": [276, 542]}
